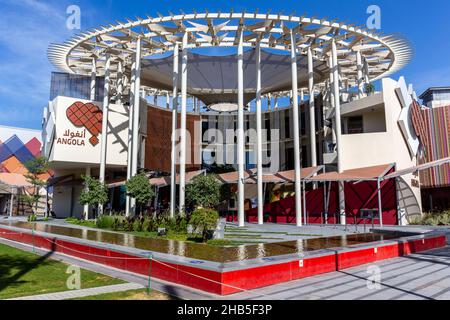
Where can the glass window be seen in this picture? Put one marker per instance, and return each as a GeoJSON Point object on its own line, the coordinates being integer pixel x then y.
{"type": "Point", "coordinates": [355, 125]}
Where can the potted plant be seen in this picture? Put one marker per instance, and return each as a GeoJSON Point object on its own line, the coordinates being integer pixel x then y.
{"type": "Point", "coordinates": [369, 89]}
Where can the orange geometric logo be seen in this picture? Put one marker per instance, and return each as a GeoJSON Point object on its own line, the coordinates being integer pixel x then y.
{"type": "Point", "coordinates": [86, 115]}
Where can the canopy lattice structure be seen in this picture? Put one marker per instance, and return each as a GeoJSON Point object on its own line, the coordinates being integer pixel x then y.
{"type": "Point", "coordinates": [384, 54]}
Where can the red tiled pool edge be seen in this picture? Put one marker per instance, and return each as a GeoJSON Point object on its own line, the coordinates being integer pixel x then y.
{"type": "Point", "coordinates": [229, 282]}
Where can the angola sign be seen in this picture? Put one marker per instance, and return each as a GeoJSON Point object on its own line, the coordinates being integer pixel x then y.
{"type": "Point", "coordinates": [84, 115]}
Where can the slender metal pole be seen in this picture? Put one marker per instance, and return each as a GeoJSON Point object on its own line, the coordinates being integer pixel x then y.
{"type": "Point", "coordinates": [337, 107]}
{"type": "Point", "coordinates": [47, 209]}
{"type": "Point", "coordinates": [296, 120]}
{"type": "Point", "coordinates": [305, 214]}
{"type": "Point", "coordinates": [136, 113]}
{"type": "Point", "coordinates": [312, 110]}
{"type": "Point", "coordinates": [380, 205]}
{"type": "Point", "coordinates": [104, 141]}
{"type": "Point", "coordinates": [259, 136]}
{"type": "Point", "coordinates": [86, 206]}
{"type": "Point", "coordinates": [173, 169]}
{"type": "Point", "coordinates": [11, 205]}
{"type": "Point", "coordinates": [119, 82]}
{"type": "Point", "coordinates": [325, 204]}
{"type": "Point", "coordinates": [184, 62]}
{"type": "Point", "coordinates": [366, 71]}
{"type": "Point", "coordinates": [240, 135]}
{"type": "Point", "coordinates": [93, 79]}
{"type": "Point", "coordinates": [399, 209]}
{"type": "Point", "coordinates": [359, 66]}
{"type": "Point", "coordinates": [129, 203]}
{"type": "Point", "coordinates": [332, 100]}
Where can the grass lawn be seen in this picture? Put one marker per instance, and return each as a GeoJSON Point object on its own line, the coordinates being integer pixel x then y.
{"type": "Point", "coordinates": [24, 274]}
{"type": "Point", "coordinates": [140, 294]}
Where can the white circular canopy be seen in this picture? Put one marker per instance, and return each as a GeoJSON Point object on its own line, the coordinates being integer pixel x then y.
{"type": "Point", "coordinates": [212, 79]}
{"type": "Point", "coordinates": [384, 54]}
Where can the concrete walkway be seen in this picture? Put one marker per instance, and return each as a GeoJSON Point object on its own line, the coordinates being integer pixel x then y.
{"type": "Point", "coordinates": [424, 276]}
{"type": "Point", "coordinates": [83, 292]}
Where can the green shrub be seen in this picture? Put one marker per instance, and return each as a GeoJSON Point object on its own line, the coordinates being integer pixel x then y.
{"type": "Point", "coordinates": [204, 191]}
{"type": "Point", "coordinates": [137, 225]}
{"type": "Point", "coordinates": [433, 219]}
{"type": "Point", "coordinates": [139, 188]}
{"type": "Point", "coordinates": [181, 224]}
{"type": "Point", "coordinates": [94, 193]}
{"type": "Point", "coordinates": [204, 220]}
{"type": "Point", "coordinates": [32, 218]}
{"type": "Point", "coordinates": [118, 223]}
{"type": "Point", "coordinates": [147, 225]}
{"type": "Point", "coordinates": [105, 222]}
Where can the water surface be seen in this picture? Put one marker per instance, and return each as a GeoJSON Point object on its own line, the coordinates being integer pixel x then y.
{"type": "Point", "coordinates": [207, 252]}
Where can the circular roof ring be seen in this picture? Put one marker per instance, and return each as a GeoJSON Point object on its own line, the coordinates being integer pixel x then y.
{"type": "Point", "coordinates": [223, 107]}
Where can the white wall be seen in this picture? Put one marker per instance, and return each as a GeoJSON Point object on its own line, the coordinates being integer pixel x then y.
{"type": "Point", "coordinates": [372, 149]}
{"type": "Point", "coordinates": [374, 121]}
{"type": "Point", "coordinates": [84, 152]}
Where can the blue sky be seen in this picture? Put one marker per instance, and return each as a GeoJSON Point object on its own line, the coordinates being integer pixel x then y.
{"type": "Point", "coordinates": [28, 26]}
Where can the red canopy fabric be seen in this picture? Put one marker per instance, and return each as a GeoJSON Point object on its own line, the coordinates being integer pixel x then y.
{"type": "Point", "coordinates": [358, 174]}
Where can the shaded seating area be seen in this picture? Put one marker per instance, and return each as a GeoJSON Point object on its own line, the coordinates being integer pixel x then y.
{"type": "Point", "coordinates": [367, 194]}
{"type": "Point", "coordinates": [369, 197]}
{"type": "Point", "coordinates": [12, 186]}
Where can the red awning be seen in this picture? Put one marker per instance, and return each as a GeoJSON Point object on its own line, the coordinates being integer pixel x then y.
{"type": "Point", "coordinates": [162, 181]}
{"type": "Point", "coordinates": [418, 168]}
{"type": "Point", "coordinates": [279, 177]}
{"type": "Point", "coordinates": [359, 174]}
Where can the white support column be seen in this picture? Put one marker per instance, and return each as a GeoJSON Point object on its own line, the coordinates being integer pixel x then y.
{"type": "Point", "coordinates": [259, 167]}
{"type": "Point", "coordinates": [312, 110]}
{"type": "Point", "coordinates": [380, 205]}
{"type": "Point", "coordinates": [11, 204]}
{"type": "Point", "coordinates": [269, 100]}
{"type": "Point", "coordinates": [167, 100]}
{"type": "Point", "coordinates": [296, 120]}
{"type": "Point", "coordinates": [105, 111]}
{"type": "Point", "coordinates": [184, 62]}
{"type": "Point", "coordinates": [337, 105]}
{"type": "Point", "coordinates": [47, 208]}
{"type": "Point", "coordinates": [366, 71]}
{"type": "Point", "coordinates": [173, 170]}
{"type": "Point", "coordinates": [276, 103]}
{"type": "Point", "coordinates": [86, 206]}
{"type": "Point", "coordinates": [136, 112]}
{"type": "Point", "coordinates": [360, 79]}
{"type": "Point", "coordinates": [93, 79]}
{"type": "Point", "coordinates": [240, 135]}
{"type": "Point", "coordinates": [332, 101]}
{"type": "Point", "coordinates": [119, 82]}
{"type": "Point", "coordinates": [129, 203]}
